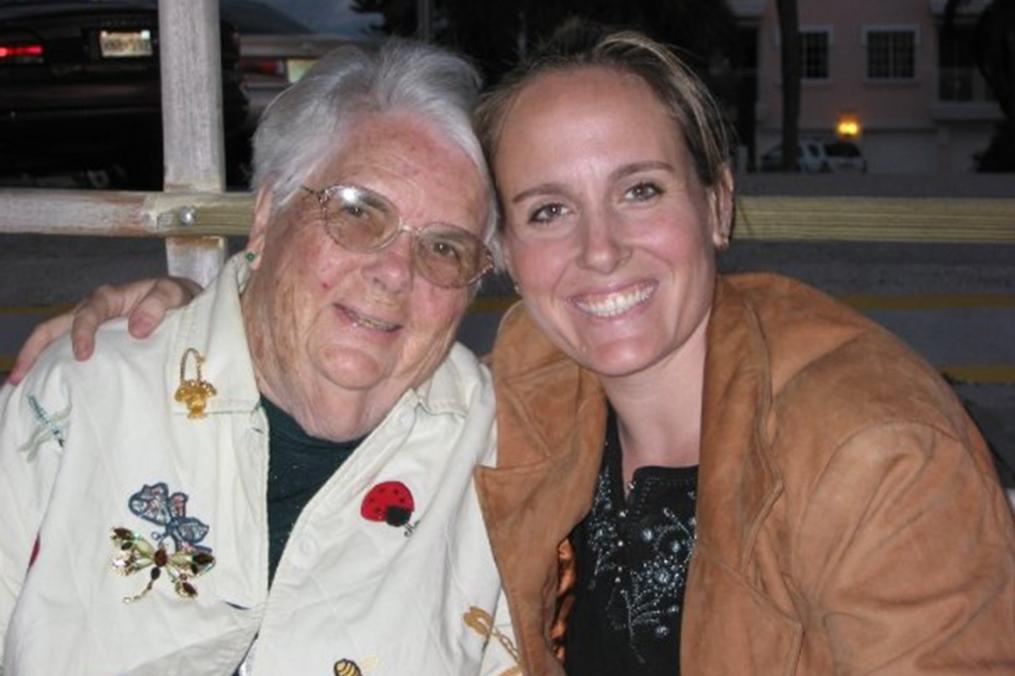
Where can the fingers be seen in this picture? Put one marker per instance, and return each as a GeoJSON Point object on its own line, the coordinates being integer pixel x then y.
{"type": "Point", "coordinates": [165, 294]}
{"type": "Point", "coordinates": [41, 336]}
{"type": "Point", "coordinates": [145, 302]}
{"type": "Point", "coordinates": [106, 302]}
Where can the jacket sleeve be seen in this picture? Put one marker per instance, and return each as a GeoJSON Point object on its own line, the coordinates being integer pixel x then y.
{"type": "Point", "coordinates": [34, 426]}
{"type": "Point", "coordinates": [907, 557]}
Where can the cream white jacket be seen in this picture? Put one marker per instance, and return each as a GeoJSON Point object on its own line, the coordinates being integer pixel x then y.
{"type": "Point", "coordinates": [88, 447]}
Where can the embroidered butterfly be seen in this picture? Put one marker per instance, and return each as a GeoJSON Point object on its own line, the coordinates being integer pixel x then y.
{"type": "Point", "coordinates": [188, 560]}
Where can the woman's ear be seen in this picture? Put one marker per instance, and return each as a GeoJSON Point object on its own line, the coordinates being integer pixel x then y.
{"type": "Point", "coordinates": [259, 230]}
{"type": "Point", "coordinates": [721, 204]}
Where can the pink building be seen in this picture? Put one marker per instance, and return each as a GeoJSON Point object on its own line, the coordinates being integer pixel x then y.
{"type": "Point", "coordinates": [920, 103]}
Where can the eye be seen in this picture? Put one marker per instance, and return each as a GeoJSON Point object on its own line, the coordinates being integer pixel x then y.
{"type": "Point", "coordinates": [643, 192]}
{"type": "Point", "coordinates": [444, 248]}
{"type": "Point", "coordinates": [354, 210]}
{"type": "Point", "coordinates": [547, 213]}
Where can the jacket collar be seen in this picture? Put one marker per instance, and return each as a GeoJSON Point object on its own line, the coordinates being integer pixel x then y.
{"type": "Point", "coordinates": [551, 417]}
{"type": "Point", "coordinates": [213, 325]}
{"type": "Point", "coordinates": [450, 389]}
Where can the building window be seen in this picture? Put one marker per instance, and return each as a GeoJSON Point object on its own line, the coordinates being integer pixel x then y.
{"type": "Point", "coordinates": [959, 79]}
{"type": "Point", "coordinates": [891, 54]}
{"type": "Point", "coordinates": [814, 54]}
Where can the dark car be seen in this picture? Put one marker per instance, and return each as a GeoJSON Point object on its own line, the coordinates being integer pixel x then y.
{"type": "Point", "coordinates": [281, 39]}
{"type": "Point", "coordinates": [80, 92]}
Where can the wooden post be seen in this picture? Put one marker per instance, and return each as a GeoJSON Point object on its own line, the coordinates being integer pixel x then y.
{"type": "Point", "coordinates": [192, 136]}
{"type": "Point", "coordinates": [424, 20]}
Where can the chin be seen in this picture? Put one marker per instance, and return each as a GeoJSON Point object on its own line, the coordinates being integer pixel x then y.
{"type": "Point", "coordinates": [617, 360]}
{"type": "Point", "coordinates": [351, 369]}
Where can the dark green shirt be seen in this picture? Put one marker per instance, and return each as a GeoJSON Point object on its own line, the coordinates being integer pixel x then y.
{"type": "Point", "coordinates": [298, 465]}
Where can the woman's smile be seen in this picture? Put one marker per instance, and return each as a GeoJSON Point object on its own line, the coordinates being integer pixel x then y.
{"type": "Point", "coordinates": [366, 321]}
{"type": "Point", "coordinates": [615, 303]}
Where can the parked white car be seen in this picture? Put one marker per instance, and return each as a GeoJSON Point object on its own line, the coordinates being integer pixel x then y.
{"type": "Point", "coordinates": [819, 156]}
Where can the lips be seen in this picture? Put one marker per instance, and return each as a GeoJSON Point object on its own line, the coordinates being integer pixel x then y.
{"type": "Point", "coordinates": [368, 322]}
{"type": "Point", "coordinates": [614, 304]}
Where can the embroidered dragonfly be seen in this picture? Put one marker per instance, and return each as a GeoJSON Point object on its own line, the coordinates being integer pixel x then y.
{"type": "Point", "coordinates": [188, 560]}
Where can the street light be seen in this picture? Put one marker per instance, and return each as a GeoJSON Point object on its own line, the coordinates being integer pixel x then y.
{"type": "Point", "coordinates": [848, 126]}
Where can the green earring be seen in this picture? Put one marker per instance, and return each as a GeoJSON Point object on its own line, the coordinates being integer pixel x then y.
{"type": "Point", "coordinates": [250, 256]}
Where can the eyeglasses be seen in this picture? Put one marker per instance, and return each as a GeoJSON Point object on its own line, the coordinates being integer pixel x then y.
{"type": "Point", "coordinates": [364, 221]}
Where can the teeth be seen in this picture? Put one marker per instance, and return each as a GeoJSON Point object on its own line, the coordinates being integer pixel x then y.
{"type": "Point", "coordinates": [614, 304]}
{"type": "Point", "coordinates": [369, 322]}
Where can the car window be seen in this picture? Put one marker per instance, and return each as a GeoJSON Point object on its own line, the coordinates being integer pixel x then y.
{"type": "Point", "coordinates": [841, 149]}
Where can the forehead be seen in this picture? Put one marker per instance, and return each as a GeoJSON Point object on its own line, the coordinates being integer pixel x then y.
{"type": "Point", "coordinates": [411, 162]}
{"type": "Point", "coordinates": [593, 106]}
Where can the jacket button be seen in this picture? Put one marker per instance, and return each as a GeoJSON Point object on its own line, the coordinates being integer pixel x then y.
{"type": "Point", "coordinates": [308, 546]}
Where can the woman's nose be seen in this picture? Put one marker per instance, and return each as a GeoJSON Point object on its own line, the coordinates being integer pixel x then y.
{"type": "Point", "coordinates": [603, 248]}
{"type": "Point", "coordinates": [390, 269]}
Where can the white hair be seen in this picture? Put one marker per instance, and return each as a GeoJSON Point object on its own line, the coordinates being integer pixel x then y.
{"type": "Point", "coordinates": [305, 125]}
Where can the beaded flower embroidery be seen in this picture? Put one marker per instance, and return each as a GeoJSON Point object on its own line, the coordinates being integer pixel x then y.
{"type": "Point", "coordinates": [188, 559]}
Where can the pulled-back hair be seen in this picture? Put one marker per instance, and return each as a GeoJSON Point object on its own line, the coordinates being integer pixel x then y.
{"type": "Point", "coordinates": [581, 44]}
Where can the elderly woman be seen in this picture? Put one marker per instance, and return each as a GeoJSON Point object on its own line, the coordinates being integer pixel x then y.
{"type": "Point", "coordinates": [742, 475]}
{"type": "Point", "coordinates": [281, 478]}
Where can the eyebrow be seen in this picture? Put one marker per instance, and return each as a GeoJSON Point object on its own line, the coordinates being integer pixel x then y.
{"type": "Point", "coordinates": [616, 174]}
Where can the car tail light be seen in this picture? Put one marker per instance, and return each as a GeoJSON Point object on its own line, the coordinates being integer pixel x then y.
{"type": "Point", "coordinates": [263, 66]}
{"type": "Point", "coordinates": [20, 53]}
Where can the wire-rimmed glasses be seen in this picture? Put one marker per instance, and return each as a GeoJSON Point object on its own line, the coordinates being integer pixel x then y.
{"type": "Point", "coordinates": [362, 220]}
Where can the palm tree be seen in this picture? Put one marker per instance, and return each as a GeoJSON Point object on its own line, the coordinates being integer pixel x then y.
{"type": "Point", "coordinates": [789, 30]}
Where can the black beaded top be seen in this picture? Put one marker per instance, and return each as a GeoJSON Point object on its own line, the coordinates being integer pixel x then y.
{"type": "Point", "coordinates": [632, 554]}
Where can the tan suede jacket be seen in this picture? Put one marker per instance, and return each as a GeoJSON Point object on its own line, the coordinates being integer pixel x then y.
{"type": "Point", "coordinates": [849, 518]}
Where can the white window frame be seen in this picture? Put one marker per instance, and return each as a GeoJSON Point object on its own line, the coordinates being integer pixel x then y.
{"type": "Point", "coordinates": [828, 30]}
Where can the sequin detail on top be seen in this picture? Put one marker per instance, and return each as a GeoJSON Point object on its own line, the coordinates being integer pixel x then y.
{"type": "Point", "coordinates": [639, 557]}
{"type": "Point", "coordinates": [50, 426]}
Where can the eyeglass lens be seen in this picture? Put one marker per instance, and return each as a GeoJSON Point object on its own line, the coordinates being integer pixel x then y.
{"type": "Point", "coordinates": [361, 220]}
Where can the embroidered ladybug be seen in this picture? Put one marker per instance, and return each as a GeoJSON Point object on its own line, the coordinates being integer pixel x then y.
{"type": "Point", "coordinates": [390, 502]}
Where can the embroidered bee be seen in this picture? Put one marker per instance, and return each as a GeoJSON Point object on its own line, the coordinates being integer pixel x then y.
{"type": "Point", "coordinates": [188, 560]}
{"type": "Point", "coordinates": [347, 668]}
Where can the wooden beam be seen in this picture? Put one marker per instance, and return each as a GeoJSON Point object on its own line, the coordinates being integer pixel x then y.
{"type": "Point", "coordinates": [771, 218]}
{"type": "Point", "coordinates": [192, 136]}
{"type": "Point", "coordinates": [124, 214]}
{"type": "Point", "coordinates": [876, 219]}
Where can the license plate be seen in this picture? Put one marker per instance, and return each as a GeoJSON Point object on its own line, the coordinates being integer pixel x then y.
{"type": "Point", "coordinates": [296, 68]}
{"type": "Point", "coordinates": [125, 44]}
